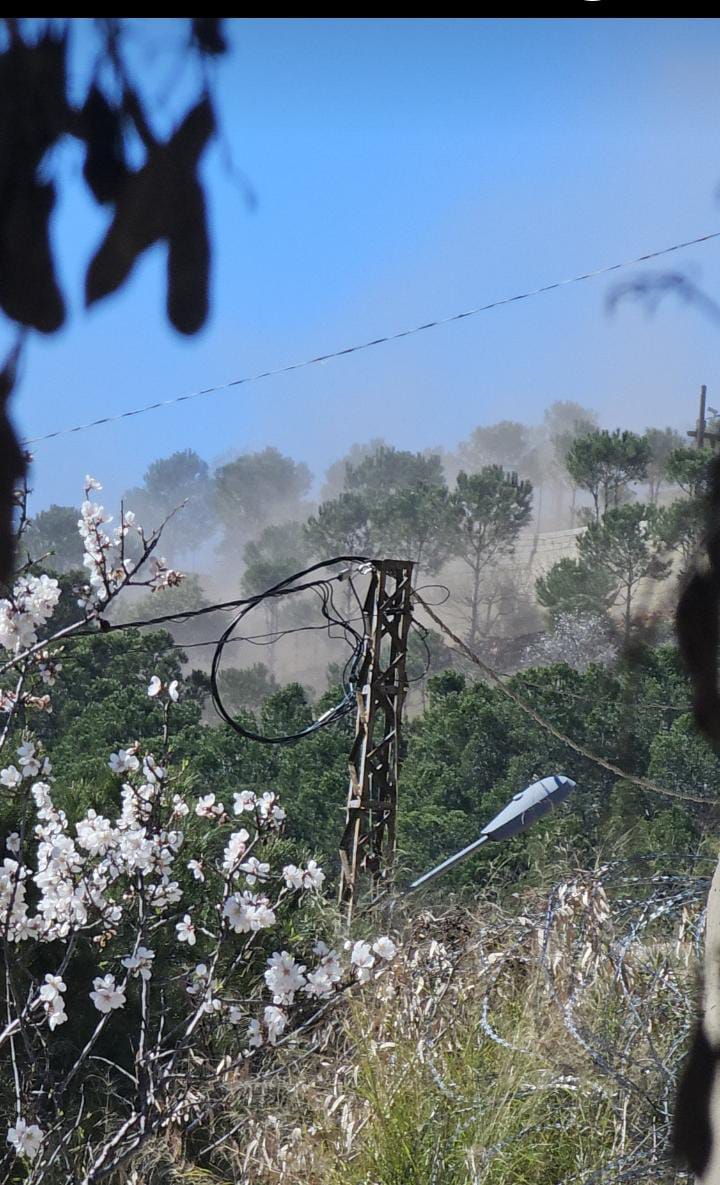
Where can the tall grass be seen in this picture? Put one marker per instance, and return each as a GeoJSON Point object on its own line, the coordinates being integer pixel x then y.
{"type": "Point", "coordinates": [537, 1047]}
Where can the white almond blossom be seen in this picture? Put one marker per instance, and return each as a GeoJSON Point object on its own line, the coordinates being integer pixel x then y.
{"type": "Point", "coordinates": [51, 996]}
{"type": "Point", "coordinates": [29, 761]}
{"type": "Point", "coordinates": [55, 1013]}
{"type": "Point", "coordinates": [107, 995]}
{"type": "Point", "coordinates": [270, 810]}
{"type": "Point", "coordinates": [245, 800]}
{"type": "Point", "coordinates": [95, 833]}
{"type": "Point", "coordinates": [152, 772]}
{"type": "Point", "coordinates": [110, 882]}
{"type": "Point", "coordinates": [254, 1035]}
{"type": "Point", "coordinates": [284, 977]}
{"type": "Point", "coordinates": [255, 870]}
{"type": "Point", "coordinates": [275, 1022]}
{"type": "Point", "coordinates": [362, 960]}
{"type": "Point", "coordinates": [140, 963]}
{"type": "Point", "coordinates": [319, 983]}
{"type": "Point", "coordinates": [208, 808]}
{"type": "Point", "coordinates": [235, 911]}
{"type": "Point", "coordinates": [33, 603]}
{"type": "Point", "coordinates": [385, 948]}
{"type": "Point", "coordinates": [53, 986]}
{"type": "Point", "coordinates": [124, 761]}
{"type": "Point", "coordinates": [247, 911]}
{"type": "Point", "coordinates": [261, 915]}
{"type": "Point", "coordinates": [331, 966]}
{"type": "Point", "coordinates": [49, 670]}
{"type": "Point", "coordinates": [162, 575]}
{"type": "Point", "coordinates": [185, 931]}
{"type": "Point", "coordinates": [26, 1138]}
{"type": "Point", "coordinates": [311, 877]}
{"type": "Point", "coordinates": [200, 971]}
{"type": "Point", "coordinates": [234, 851]}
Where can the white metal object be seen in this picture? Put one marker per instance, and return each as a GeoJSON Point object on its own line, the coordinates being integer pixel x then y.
{"type": "Point", "coordinates": [522, 810]}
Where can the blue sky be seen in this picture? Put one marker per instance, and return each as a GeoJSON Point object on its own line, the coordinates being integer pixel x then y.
{"type": "Point", "coordinates": [405, 170]}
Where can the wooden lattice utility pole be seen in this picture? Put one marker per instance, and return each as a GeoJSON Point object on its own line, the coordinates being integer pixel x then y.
{"type": "Point", "coordinates": [368, 842]}
{"type": "Point", "coordinates": [703, 435]}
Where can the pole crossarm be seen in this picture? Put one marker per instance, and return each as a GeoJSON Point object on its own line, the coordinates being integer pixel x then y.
{"type": "Point", "coordinates": [368, 842]}
{"type": "Point", "coordinates": [701, 433]}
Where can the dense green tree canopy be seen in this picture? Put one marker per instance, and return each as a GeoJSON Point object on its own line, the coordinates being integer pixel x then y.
{"type": "Point", "coordinates": [396, 504]}
{"type": "Point", "coordinates": [342, 526]}
{"type": "Point", "coordinates": [258, 489]}
{"type": "Point", "coordinates": [622, 546]}
{"type": "Point", "coordinates": [179, 483]}
{"type": "Point", "coordinates": [467, 747]}
{"type": "Point", "coordinates": [687, 468]}
{"type": "Point", "coordinates": [572, 586]}
{"type": "Point", "coordinates": [417, 523]}
{"type": "Point", "coordinates": [564, 420]}
{"type": "Point", "coordinates": [663, 443]}
{"type": "Point", "coordinates": [245, 688]}
{"type": "Point", "coordinates": [492, 510]}
{"type": "Point", "coordinates": [506, 444]}
{"type": "Point", "coordinates": [277, 552]}
{"type": "Point", "coordinates": [388, 470]}
{"type": "Point", "coordinates": [53, 533]}
{"type": "Point", "coordinates": [680, 526]}
{"type": "Point", "coordinates": [605, 463]}
{"type": "Point", "coordinates": [336, 474]}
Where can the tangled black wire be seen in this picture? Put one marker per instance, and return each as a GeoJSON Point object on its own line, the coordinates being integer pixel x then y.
{"type": "Point", "coordinates": [324, 589]}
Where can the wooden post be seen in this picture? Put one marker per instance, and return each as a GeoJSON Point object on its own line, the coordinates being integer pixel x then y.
{"type": "Point", "coordinates": [700, 439]}
{"type": "Point", "coordinates": [700, 433]}
{"type": "Point", "coordinates": [368, 842]}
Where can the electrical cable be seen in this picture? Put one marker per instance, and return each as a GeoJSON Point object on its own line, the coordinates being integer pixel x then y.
{"type": "Point", "coordinates": [378, 341]}
{"type": "Point", "coordinates": [283, 588]}
{"type": "Point", "coordinates": [422, 632]}
{"type": "Point", "coordinates": [267, 639]}
{"type": "Point", "coordinates": [588, 698]}
{"type": "Point", "coordinates": [435, 604]}
{"type": "Point", "coordinates": [183, 615]}
{"type": "Point", "coordinates": [547, 726]}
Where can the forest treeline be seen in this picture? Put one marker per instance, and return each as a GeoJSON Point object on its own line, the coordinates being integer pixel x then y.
{"type": "Point", "coordinates": [465, 754]}
{"type": "Point", "coordinates": [598, 666]}
{"type": "Point", "coordinates": [476, 519]}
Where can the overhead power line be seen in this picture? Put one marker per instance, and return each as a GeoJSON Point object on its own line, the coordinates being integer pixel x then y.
{"type": "Point", "coordinates": [547, 726]}
{"type": "Point", "coordinates": [377, 341]}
